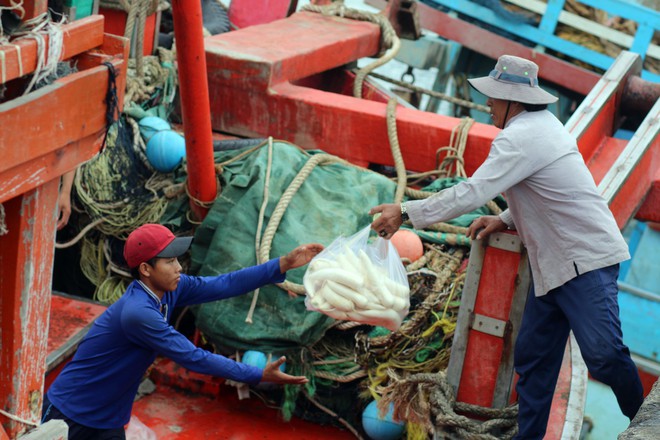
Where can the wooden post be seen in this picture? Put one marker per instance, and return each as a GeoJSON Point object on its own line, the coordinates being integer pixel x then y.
{"type": "Point", "coordinates": [492, 304]}
{"type": "Point", "coordinates": [26, 264]}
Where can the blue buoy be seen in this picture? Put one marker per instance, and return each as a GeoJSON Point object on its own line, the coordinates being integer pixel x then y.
{"type": "Point", "coordinates": [258, 359]}
{"type": "Point", "coordinates": [150, 125]}
{"type": "Point", "coordinates": [381, 429]}
{"type": "Point", "coordinates": [165, 150]}
{"type": "Point", "coordinates": [254, 358]}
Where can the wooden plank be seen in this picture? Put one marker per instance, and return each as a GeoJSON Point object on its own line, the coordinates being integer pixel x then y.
{"type": "Point", "coordinates": [26, 255]}
{"type": "Point", "coordinates": [650, 209]}
{"type": "Point", "coordinates": [481, 365]}
{"type": "Point", "coordinates": [586, 25]}
{"type": "Point", "coordinates": [468, 299]}
{"type": "Point", "coordinates": [492, 45]}
{"type": "Point", "coordinates": [31, 118]}
{"type": "Point", "coordinates": [27, 10]}
{"type": "Point", "coordinates": [19, 58]}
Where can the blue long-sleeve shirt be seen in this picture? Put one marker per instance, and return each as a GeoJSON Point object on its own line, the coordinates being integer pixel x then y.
{"type": "Point", "coordinates": [98, 386]}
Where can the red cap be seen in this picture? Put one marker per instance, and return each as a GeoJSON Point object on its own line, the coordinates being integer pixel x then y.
{"type": "Point", "coordinates": [153, 240]}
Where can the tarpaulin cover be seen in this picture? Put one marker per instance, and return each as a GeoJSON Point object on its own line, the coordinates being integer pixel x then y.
{"type": "Point", "coordinates": [334, 200]}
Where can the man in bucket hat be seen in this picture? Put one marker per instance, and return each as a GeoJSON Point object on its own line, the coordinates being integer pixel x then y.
{"type": "Point", "coordinates": [573, 242]}
{"type": "Point", "coordinates": [95, 391]}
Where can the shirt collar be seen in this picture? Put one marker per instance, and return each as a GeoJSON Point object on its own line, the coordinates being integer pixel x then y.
{"type": "Point", "coordinates": [148, 290]}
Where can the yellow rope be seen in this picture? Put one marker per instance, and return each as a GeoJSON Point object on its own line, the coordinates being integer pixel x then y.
{"type": "Point", "coordinates": [262, 211]}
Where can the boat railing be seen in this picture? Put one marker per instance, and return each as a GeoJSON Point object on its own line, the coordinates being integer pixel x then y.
{"type": "Point", "coordinates": [553, 13]}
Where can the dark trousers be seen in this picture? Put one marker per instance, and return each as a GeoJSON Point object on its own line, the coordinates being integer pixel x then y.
{"type": "Point", "coordinates": [78, 431]}
{"type": "Point", "coordinates": [588, 306]}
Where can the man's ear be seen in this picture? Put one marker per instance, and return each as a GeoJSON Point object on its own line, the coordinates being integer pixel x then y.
{"type": "Point", "coordinates": [144, 269]}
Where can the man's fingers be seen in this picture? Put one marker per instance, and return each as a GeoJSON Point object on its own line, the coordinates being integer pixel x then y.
{"type": "Point", "coordinates": [376, 209]}
{"type": "Point", "coordinates": [297, 380]}
{"type": "Point", "coordinates": [279, 361]}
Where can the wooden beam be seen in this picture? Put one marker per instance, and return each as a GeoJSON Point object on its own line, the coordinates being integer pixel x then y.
{"type": "Point", "coordinates": [587, 26]}
{"type": "Point", "coordinates": [26, 10]}
{"type": "Point", "coordinates": [42, 142]}
{"type": "Point", "coordinates": [26, 257]}
{"type": "Point", "coordinates": [19, 58]}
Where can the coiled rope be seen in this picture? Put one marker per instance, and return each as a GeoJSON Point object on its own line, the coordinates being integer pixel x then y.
{"type": "Point", "coordinates": [414, 396]}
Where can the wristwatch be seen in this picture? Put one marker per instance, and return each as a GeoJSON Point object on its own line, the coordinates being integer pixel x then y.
{"type": "Point", "coordinates": [404, 213]}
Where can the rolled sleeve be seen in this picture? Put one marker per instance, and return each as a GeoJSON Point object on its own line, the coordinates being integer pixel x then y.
{"type": "Point", "coordinates": [508, 219]}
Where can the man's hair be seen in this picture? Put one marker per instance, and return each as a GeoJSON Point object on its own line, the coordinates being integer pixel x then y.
{"type": "Point", "coordinates": [135, 272]}
{"type": "Point", "coordinates": [534, 107]}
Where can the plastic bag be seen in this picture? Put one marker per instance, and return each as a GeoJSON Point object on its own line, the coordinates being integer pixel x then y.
{"type": "Point", "coordinates": [359, 278]}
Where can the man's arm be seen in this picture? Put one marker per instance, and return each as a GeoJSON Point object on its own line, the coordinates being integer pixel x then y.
{"type": "Point", "coordinates": [197, 290]}
{"type": "Point", "coordinates": [148, 329]}
{"type": "Point", "coordinates": [64, 200]}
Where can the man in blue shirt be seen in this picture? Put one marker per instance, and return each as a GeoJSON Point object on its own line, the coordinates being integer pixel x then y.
{"type": "Point", "coordinates": [95, 391]}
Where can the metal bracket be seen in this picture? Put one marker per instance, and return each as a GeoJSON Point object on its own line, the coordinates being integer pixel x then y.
{"type": "Point", "coordinates": [488, 325]}
{"type": "Point", "coordinates": [506, 242]}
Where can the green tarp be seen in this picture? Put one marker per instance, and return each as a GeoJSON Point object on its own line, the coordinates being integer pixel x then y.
{"type": "Point", "coordinates": [334, 200]}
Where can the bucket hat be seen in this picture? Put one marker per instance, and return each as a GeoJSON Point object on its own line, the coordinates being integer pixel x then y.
{"type": "Point", "coordinates": [153, 240]}
{"type": "Point", "coordinates": [513, 79]}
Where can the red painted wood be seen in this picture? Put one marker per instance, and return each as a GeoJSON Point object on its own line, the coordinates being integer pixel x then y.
{"type": "Point", "coordinates": [78, 37]}
{"type": "Point", "coordinates": [340, 81]}
{"type": "Point", "coordinates": [68, 317]}
{"type": "Point", "coordinates": [30, 8]}
{"type": "Point", "coordinates": [604, 156]}
{"type": "Point", "coordinates": [245, 13]}
{"type": "Point", "coordinates": [217, 413]}
{"type": "Point", "coordinates": [493, 45]}
{"type": "Point", "coordinates": [635, 188]}
{"type": "Point", "coordinates": [485, 352]}
{"type": "Point", "coordinates": [481, 364]}
{"type": "Point", "coordinates": [79, 129]}
{"type": "Point", "coordinates": [26, 255]}
{"type": "Point", "coordinates": [559, 407]}
{"type": "Point", "coordinates": [115, 23]}
{"type": "Point", "coordinates": [650, 209]}
{"type": "Point", "coordinates": [496, 286]}
{"type": "Point", "coordinates": [592, 139]}
{"type": "Point", "coordinates": [193, 88]}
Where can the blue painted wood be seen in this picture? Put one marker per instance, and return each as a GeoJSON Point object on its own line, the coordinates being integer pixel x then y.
{"type": "Point", "coordinates": [640, 306]}
{"type": "Point", "coordinates": [551, 17]}
{"type": "Point", "coordinates": [642, 40]}
{"type": "Point", "coordinates": [633, 234]}
{"type": "Point", "coordinates": [644, 16]}
{"type": "Point", "coordinates": [639, 322]}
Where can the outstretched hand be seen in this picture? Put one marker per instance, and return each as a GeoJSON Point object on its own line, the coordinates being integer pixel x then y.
{"type": "Point", "coordinates": [64, 206]}
{"type": "Point", "coordinates": [273, 374]}
{"type": "Point", "coordinates": [389, 221]}
{"type": "Point", "coordinates": [300, 256]}
{"type": "Point", "coordinates": [482, 227]}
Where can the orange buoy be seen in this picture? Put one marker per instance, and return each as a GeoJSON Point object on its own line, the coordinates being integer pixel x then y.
{"type": "Point", "coordinates": [408, 244]}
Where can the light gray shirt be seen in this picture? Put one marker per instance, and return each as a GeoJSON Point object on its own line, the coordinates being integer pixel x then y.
{"type": "Point", "coordinates": [553, 201]}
